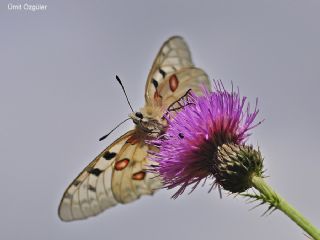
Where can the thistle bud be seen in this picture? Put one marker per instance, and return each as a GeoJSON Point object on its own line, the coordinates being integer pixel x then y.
{"type": "Point", "coordinates": [235, 166]}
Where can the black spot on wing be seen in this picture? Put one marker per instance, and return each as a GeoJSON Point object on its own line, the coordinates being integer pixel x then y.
{"type": "Point", "coordinates": [76, 182]}
{"type": "Point", "coordinates": [92, 188]}
{"type": "Point", "coordinates": [155, 83]}
{"type": "Point", "coordinates": [109, 155]}
{"type": "Point", "coordinates": [163, 73]}
{"type": "Point", "coordinates": [95, 171]}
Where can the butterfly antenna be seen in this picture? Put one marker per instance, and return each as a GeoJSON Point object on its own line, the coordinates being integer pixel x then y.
{"type": "Point", "coordinates": [105, 136]}
{"type": "Point", "coordinates": [119, 81]}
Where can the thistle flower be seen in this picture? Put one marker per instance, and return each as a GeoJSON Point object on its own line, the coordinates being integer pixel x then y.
{"type": "Point", "coordinates": [206, 139]}
{"type": "Point", "coordinates": [189, 150]}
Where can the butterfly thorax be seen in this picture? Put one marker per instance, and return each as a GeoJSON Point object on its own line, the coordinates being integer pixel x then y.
{"type": "Point", "coordinates": [149, 121]}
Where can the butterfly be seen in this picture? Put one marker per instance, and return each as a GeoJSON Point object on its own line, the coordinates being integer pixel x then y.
{"type": "Point", "coordinates": [118, 174]}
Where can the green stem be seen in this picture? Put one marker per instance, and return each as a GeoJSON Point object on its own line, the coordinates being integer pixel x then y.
{"type": "Point", "coordinates": [278, 202]}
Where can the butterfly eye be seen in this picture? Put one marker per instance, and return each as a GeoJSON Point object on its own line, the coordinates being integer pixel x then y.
{"type": "Point", "coordinates": [139, 115]}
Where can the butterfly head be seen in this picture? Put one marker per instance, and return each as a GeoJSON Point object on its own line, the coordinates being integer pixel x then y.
{"type": "Point", "coordinates": [147, 123]}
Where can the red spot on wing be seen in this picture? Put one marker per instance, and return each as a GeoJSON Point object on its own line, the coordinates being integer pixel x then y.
{"type": "Point", "coordinates": [133, 140]}
{"type": "Point", "coordinates": [157, 97]}
{"type": "Point", "coordinates": [139, 175]}
{"type": "Point", "coordinates": [122, 164]}
{"type": "Point", "coordinates": [173, 82]}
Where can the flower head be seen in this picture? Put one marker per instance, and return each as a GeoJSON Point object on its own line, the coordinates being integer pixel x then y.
{"type": "Point", "coordinates": [188, 151]}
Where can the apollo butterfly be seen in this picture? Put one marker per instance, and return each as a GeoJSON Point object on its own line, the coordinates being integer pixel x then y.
{"type": "Point", "coordinates": [118, 174]}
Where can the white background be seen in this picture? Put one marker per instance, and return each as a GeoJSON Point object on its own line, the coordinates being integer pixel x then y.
{"type": "Point", "coordinates": [58, 95]}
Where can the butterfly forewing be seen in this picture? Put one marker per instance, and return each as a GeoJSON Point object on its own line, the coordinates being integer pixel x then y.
{"type": "Point", "coordinates": [91, 192]}
{"type": "Point", "coordinates": [117, 175]}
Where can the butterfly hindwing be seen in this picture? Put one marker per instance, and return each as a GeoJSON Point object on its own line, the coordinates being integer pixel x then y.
{"type": "Point", "coordinates": [185, 79]}
{"type": "Point", "coordinates": [130, 179]}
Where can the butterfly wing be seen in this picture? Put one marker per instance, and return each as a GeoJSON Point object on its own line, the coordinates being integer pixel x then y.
{"type": "Point", "coordinates": [130, 179]}
{"type": "Point", "coordinates": [116, 175]}
{"type": "Point", "coordinates": [173, 74]}
{"type": "Point", "coordinates": [182, 80]}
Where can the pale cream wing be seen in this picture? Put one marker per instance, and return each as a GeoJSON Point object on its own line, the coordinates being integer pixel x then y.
{"type": "Point", "coordinates": [173, 74]}
{"type": "Point", "coordinates": [177, 84]}
{"type": "Point", "coordinates": [91, 192]}
{"type": "Point", "coordinates": [173, 56]}
{"type": "Point", "coordinates": [129, 178]}
{"type": "Point", "coordinates": [109, 180]}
